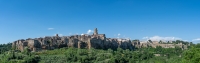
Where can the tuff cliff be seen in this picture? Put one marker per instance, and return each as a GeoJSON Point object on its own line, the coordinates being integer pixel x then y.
{"type": "Point", "coordinates": [97, 41]}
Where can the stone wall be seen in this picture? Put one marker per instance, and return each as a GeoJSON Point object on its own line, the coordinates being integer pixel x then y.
{"type": "Point", "coordinates": [97, 41]}
{"type": "Point", "coordinates": [154, 44]}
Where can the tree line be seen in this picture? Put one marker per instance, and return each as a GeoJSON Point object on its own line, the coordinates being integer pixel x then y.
{"type": "Point", "coordinates": [75, 55]}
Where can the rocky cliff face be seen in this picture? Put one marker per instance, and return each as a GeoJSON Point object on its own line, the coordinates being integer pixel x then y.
{"type": "Point", "coordinates": [154, 44]}
{"type": "Point", "coordinates": [97, 41]}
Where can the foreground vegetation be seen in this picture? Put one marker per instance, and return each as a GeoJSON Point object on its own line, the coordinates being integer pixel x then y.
{"type": "Point", "coordinates": [75, 55]}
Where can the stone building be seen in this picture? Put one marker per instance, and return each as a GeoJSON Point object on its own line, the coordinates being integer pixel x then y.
{"type": "Point", "coordinates": [97, 41]}
{"type": "Point", "coordinates": [154, 44]}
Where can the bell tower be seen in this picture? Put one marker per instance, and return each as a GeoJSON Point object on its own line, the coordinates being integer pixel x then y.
{"type": "Point", "coordinates": [56, 35]}
{"type": "Point", "coordinates": [95, 31]}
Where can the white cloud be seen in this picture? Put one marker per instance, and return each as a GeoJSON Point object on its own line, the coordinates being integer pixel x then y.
{"type": "Point", "coordinates": [157, 38]}
{"type": "Point", "coordinates": [145, 38]}
{"type": "Point", "coordinates": [118, 34]}
{"type": "Point", "coordinates": [121, 36]}
{"type": "Point", "coordinates": [89, 31]}
{"type": "Point", "coordinates": [60, 34]}
{"type": "Point", "coordinates": [198, 39]}
{"type": "Point", "coordinates": [50, 28]}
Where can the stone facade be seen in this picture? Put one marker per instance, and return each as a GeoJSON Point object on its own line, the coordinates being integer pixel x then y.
{"type": "Point", "coordinates": [154, 44]}
{"type": "Point", "coordinates": [97, 41]}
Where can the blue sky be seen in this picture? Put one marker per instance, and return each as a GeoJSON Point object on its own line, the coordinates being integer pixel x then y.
{"type": "Point", "coordinates": [135, 19]}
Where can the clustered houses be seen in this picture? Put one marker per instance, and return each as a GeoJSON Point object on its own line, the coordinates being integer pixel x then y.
{"type": "Point", "coordinates": [97, 41]}
{"type": "Point", "coordinates": [154, 44]}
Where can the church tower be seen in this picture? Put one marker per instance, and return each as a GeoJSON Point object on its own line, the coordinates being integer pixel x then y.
{"type": "Point", "coordinates": [56, 35]}
{"type": "Point", "coordinates": [95, 31]}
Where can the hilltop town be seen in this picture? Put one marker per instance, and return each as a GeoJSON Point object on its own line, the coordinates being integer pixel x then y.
{"type": "Point", "coordinates": [96, 40]}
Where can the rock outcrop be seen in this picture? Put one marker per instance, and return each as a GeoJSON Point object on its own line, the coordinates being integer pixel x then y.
{"type": "Point", "coordinates": [154, 44]}
{"type": "Point", "coordinates": [97, 41]}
